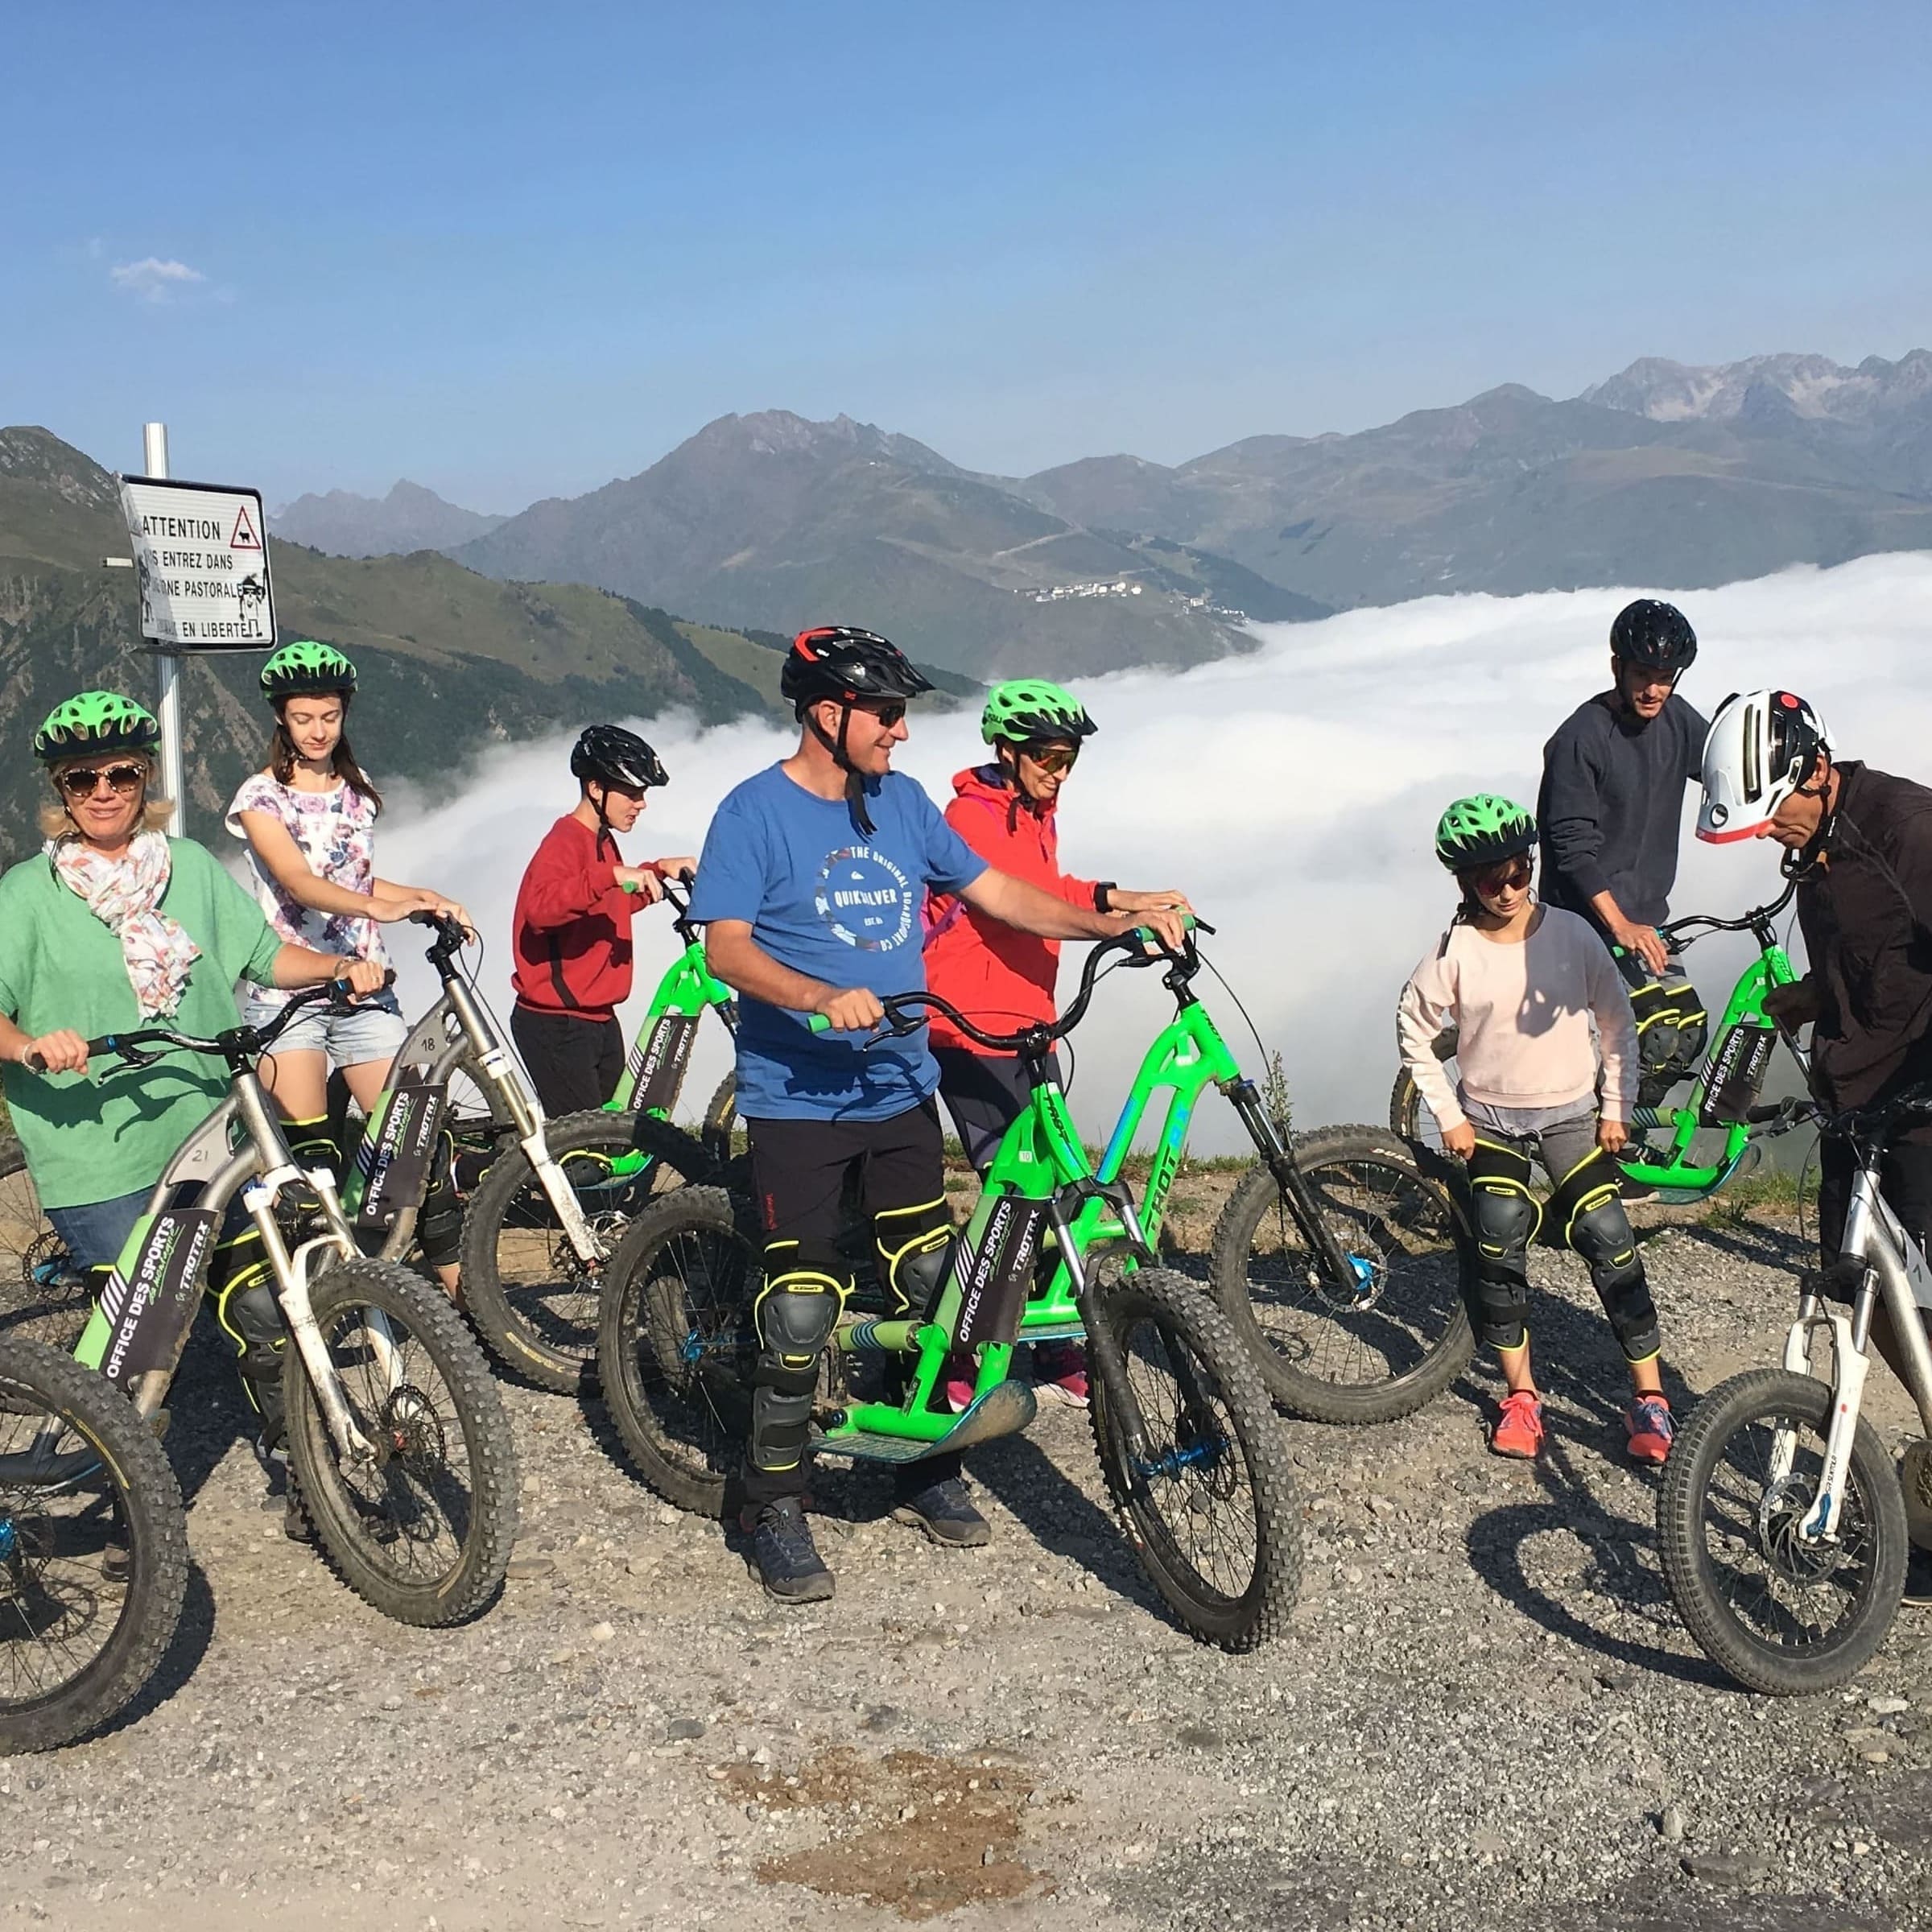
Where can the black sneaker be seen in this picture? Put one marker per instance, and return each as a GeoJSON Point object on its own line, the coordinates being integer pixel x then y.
{"type": "Point", "coordinates": [783, 1556]}
{"type": "Point", "coordinates": [944, 1511]}
{"type": "Point", "coordinates": [1918, 1577]}
{"type": "Point", "coordinates": [1634, 1193]}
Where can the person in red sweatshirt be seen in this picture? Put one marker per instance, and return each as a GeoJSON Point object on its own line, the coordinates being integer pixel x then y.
{"type": "Point", "coordinates": [571, 928]}
{"type": "Point", "coordinates": [1002, 978]}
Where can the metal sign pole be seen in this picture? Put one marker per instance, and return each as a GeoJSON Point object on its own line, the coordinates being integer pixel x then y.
{"type": "Point", "coordinates": [153, 452]}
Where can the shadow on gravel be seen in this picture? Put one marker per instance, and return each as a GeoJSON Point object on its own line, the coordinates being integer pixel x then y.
{"type": "Point", "coordinates": [1060, 1516]}
{"type": "Point", "coordinates": [1746, 1240]}
{"type": "Point", "coordinates": [208, 1414]}
{"type": "Point", "coordinates": [182, 1658]}
{"type": "Point", "coordinates": [1214, 1894]}
{"type": "Point", "coordinates": [1614, 1601]}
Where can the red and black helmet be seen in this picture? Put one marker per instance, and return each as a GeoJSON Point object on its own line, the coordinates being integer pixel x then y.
{"type": "Point", "coordinates": [843, 663]}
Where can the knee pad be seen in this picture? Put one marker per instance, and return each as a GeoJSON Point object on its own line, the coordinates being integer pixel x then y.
{"type": "Point", "coordinates": [440, 1220]}
{"type": "Point", "coordinates": [913, 1245]}
{"type": "Point", "coordinates": [1693, 1023]}
{"type": "Point", "coordinates": [1671, 1031]}
{"type": "Point", "coordinates": [1586, 1207]}
{"type": "Point", "coordinates": [793, 1317]}
{"type": "Point", "coordinates": [251, 1317]}
{"type": "Point", "coordinates": [1504, 1216]}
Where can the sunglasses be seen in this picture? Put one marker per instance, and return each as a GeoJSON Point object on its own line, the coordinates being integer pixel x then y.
{"type": "Point", "coordinates": [887, 714]}
{"type": "Point", "coordinates": [1061, 758]}
{"type": "Point", "coordinates": [81, 782]}
{"type": "Point", "coordinates": [1508, 877]}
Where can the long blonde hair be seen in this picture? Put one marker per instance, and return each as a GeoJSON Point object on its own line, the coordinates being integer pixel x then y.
{"type": "Point", "coordinates": [57, 821]}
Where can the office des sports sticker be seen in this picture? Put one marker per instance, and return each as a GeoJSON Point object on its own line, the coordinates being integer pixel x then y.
{"type": "Point", "coordinates": [865, 899]}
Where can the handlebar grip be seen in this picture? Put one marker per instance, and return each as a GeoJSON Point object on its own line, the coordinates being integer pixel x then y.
{"type": "Point", "coordinates": [1189, 923]}
{"type": "Point", "coordinates": [817, 1022]}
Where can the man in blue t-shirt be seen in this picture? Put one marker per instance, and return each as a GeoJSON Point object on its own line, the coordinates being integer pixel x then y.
{"type": "Point", "coordinates": [811, 886]}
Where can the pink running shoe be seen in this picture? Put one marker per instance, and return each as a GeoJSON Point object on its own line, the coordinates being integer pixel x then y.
{"type": "Point", "coordinates": [1519, 1426]}
{"type": "Point", "coordinates": [1059, 1370]}
{"type": "Point", "coordinates": [957, 1382]}
{"type": "Point", "coordinates": [1652, 1431]}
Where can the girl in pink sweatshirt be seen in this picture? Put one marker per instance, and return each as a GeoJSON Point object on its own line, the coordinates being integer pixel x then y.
{"type": "Point", "coordinates": [1546, 1049]}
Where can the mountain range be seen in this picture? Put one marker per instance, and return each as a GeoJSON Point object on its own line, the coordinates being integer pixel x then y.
{"type": "Point", "coordinates": [1663, 476]}
{"type": "Point", "coordinates": [410, 518]}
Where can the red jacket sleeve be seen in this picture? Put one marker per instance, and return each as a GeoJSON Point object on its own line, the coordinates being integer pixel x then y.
{"type": "Point", "coordinates": [558, 888]}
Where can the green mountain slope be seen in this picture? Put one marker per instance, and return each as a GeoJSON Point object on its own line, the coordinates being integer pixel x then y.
{"type": "Point", "coordinates": [450, 662]}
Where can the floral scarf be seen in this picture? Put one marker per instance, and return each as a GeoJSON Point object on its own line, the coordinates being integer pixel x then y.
{"type": "Point", "coordinates": [124, 894]}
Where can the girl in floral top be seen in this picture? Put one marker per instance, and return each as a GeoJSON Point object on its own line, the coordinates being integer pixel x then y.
{"type": "Point", "coordinates": [310, 822]}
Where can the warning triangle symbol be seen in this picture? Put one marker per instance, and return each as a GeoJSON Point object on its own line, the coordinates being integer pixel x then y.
{"type": "Point", "coordinates": [245, 537]}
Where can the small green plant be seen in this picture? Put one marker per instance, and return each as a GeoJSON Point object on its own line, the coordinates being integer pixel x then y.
{"type": "Point", "coordinates": [1771, 1191]}
{"type": "Point", "coordinates": [1275, 1097]}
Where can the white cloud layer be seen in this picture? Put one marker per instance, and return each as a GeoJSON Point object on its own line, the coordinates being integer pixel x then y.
{"type": "Point", "coordinates": [152, 279]}
{"type": "Point", "coordinates": [1293, 794]}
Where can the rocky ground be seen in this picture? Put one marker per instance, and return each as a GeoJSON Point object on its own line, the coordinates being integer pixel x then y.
{"type": "Point", "coordinates": [1486, 1705]}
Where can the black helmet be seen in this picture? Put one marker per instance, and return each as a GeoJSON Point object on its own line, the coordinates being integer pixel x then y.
{"type": "Point", "coordinates": [1657, 636]}
{"type": "Point", "coordinates": [841, 662]}
{"type": "Point", "coordinates": [613, 755]}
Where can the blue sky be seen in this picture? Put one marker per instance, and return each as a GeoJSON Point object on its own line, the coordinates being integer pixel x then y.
{"type": "Point", "coordinates": [512, 251]}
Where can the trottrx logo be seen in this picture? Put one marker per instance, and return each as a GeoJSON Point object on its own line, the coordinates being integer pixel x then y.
{"type": "Point", "coordinates": [658, 1063]}
{"type": "Point", "coordinates": [1000, 1268]}
{"type": "Point", "coordinates": [165, 1267]}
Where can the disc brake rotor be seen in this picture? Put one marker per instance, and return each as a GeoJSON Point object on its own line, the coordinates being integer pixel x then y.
{"type": "Point", "coordinates": [412, 1432]}
{"type": "Point", "coordinates": [1781, 1516]}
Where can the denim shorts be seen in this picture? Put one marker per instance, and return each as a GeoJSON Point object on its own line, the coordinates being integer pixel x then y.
{"type": "Point", "coordinates": [375, 1030]}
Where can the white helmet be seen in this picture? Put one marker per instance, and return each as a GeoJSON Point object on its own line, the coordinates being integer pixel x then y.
{"type": "Point", "coordinates": [1762, 747]}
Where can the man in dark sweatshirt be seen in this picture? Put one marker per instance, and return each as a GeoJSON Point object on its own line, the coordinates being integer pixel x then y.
{"type": "Point", "coordinates": [1610, 810]}
{"type": "Point", "coordinates": [1859, 843]}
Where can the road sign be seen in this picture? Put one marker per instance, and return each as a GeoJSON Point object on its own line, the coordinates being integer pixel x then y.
{"type": "Point", "coordinates": [202, 565]}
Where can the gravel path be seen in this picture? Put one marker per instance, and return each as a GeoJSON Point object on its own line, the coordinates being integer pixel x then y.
{"type": "Point", "coordinates": [1486, 1698]}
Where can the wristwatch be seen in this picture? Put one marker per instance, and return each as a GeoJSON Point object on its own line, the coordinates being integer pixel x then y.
{"type": "Point", "coordinates": [1102, 895]}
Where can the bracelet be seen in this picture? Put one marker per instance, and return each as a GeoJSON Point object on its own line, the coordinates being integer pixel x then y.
{"type": "Point", "coordinates": [1102, 895]}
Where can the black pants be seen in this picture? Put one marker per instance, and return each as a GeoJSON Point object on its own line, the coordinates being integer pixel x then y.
{"type": "Point", "coordinates": [576, 1065]}
{"type": "Point", "coordinates": [985, 1093]}
{"type": "Point", "coordinates": [1905, 1178]}
{"type": "Point", "coordinates": [798, 1170]}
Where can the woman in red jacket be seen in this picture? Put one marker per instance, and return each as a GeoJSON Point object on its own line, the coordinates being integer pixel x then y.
{"type": "Point", "coordinates": [1001, 978]}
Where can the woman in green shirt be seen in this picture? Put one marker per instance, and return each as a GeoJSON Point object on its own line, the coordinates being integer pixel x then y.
{"type": "Point", "coordinates": [113, 925]}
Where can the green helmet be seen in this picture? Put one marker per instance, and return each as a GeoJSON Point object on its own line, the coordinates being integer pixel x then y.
{"type": "Point", "coordinates": [297, 670]}
{"type": "Point", "coordinates": [1483, 830]}
{"type": "Point", "coordinates": [1024, 710]}
{"type": "Point", "coordinates": [95, 721]}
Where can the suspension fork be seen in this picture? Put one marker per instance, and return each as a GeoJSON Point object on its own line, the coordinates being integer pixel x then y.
{"type": "Point", "coordinates": [527, 1115]}
{"type": "Point", "coordinates": [292, 1272]}
{"type": "Point", "coordinates": [1102, 1354]}
{"type": "Point", "coordinates": [1289, 1178]}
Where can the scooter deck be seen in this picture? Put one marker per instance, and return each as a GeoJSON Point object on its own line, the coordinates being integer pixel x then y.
{"type": "Point", "coordinates": [1005, 1409]}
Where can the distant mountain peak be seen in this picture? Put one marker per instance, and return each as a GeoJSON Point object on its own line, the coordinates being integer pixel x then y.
{"type": "Point", "coordinates": [1759, 387]}
{"type": "Point", "coordinates": [778, 432]}
{"type": "Point", "coordinates": [411, 518]}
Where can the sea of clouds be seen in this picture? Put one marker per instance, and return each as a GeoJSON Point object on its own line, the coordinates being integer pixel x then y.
{"type": "Point", "coordinates": [1291, 791]}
